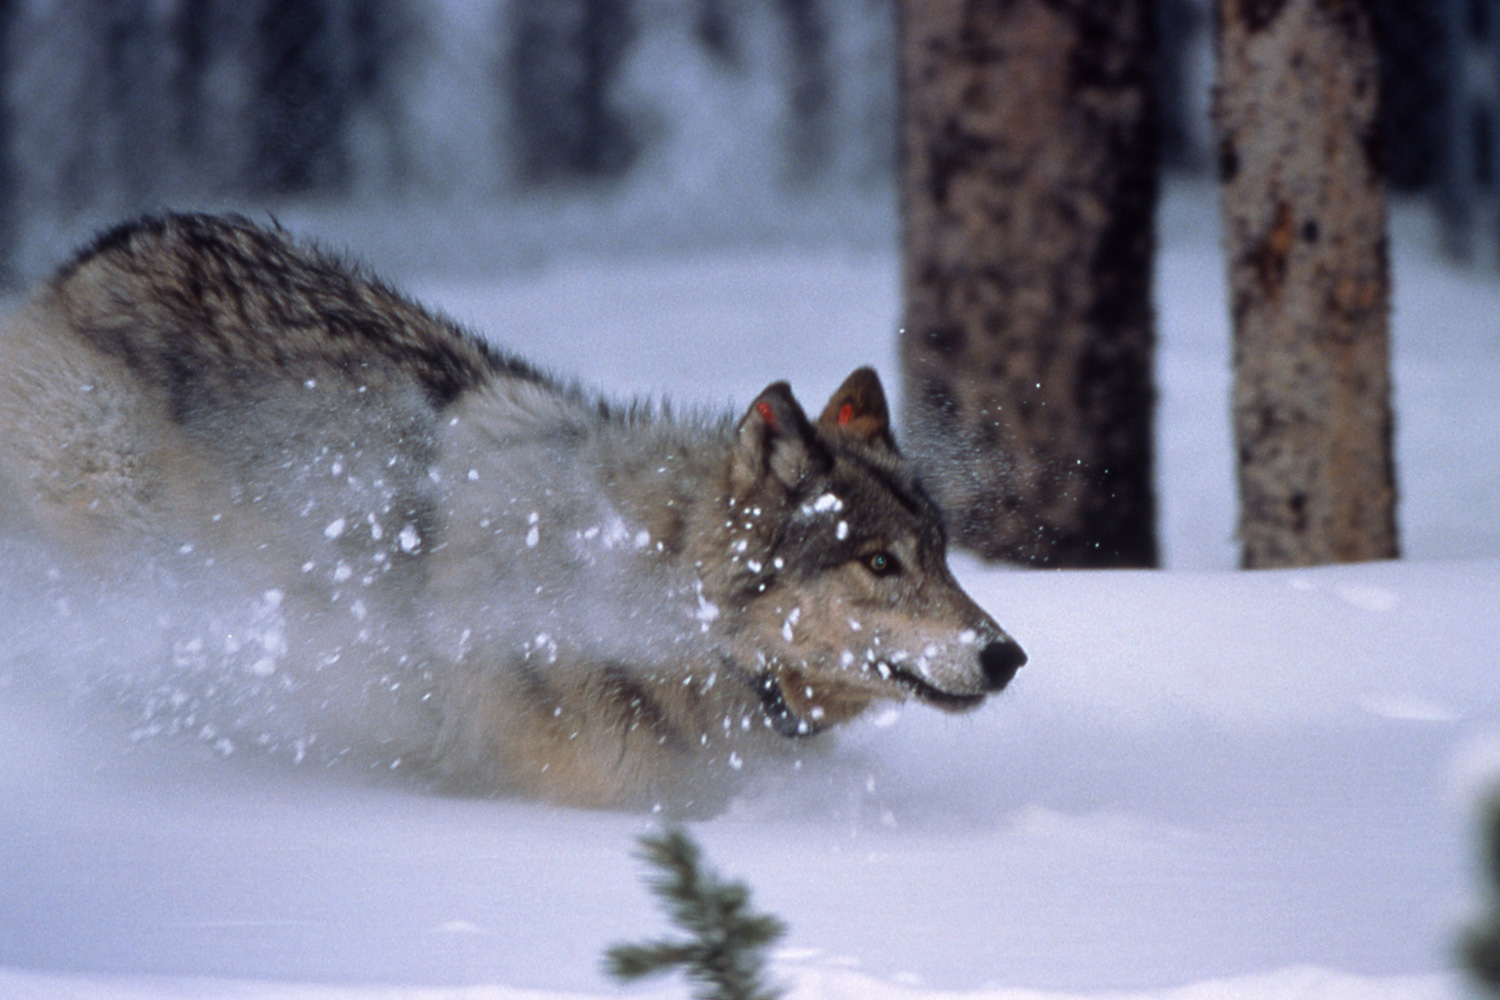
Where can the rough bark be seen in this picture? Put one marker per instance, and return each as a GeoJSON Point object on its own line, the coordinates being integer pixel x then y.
{"type": "Point", "coordinates": [1029, 186]}
{"type": "Point", "coordinates": [1305, 225]}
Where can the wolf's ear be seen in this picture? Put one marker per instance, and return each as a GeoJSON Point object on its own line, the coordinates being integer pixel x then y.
{"type": "Point", "coordinates": [858, 410]}
{"type": "Point", "coordinates": [774, 437]}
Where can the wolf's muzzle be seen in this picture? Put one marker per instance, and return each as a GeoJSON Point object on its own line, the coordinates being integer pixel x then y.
{"type": "Point", "coordinates": [1000, 661]}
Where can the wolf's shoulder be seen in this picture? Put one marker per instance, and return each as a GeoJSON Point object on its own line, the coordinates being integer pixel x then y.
{"type": "Point", "coordinates": [209, 290]}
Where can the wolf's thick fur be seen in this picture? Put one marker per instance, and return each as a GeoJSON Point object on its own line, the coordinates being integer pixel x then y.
{"type": "Point", "coordinates": [586, 603]}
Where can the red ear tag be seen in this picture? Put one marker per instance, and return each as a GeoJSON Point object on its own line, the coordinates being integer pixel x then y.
{"type": "Point", "coordinates": [846, 414]}
{"type": "Point", "coordinates": [766, 413]}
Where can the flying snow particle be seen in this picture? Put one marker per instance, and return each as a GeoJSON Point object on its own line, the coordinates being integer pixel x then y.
{"type": "Point", "coordinates": [335, 528]}
{"type": "Point", "coordinates": [707, 611]}
{"type": "Point", "coordinates": [533, 536]}
{"type": "Point", "coordinates": [544, 643]}
{"type": "Point", "coordinates": [826, 503]}
{"type": "Point", "coordinates": [842, 531]}
{"type": "Point", "coordinates": [409, 540]}
{"type": "Point", "coordinates": [790, 623]}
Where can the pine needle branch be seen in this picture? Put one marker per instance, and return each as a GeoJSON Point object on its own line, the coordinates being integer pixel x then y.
{"type": "Point", "coordinates": [724, 952]}
{"type": "Point", "coordinates": [1480, 946]}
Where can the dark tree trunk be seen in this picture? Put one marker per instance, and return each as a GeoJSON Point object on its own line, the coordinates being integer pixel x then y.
{"type": "Point", "coordinates": [10, 222]}
{"type": "Point", "coordinates": [135, 113]}
{"type": "Point", "coordinates": [1178, 24]}
{"type": "Point", "coordinates": [382, 36]}
{"type": "Point", "coordinates": [564, 56]}
{"type": "Point", "coordinates": [1411, 89]}
{"type": "Point", "coordinates": [809, 87]}
{"type": "Point", "coordinates": [301, 101]}
{"type": "Point", "coordinates": [1029, 188]}
{"type": "Point", "coordinates": [1305, 224]}
{"type": "Point", "coordinates": [714, 28]}
{"type": "Point", "coordinates": [1463, 122]}
{"type": "Point", "coordinates": [190, 36]}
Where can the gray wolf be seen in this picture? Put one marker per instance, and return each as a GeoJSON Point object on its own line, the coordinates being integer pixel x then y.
{"type": "Point", "coordinates": [549, 594]}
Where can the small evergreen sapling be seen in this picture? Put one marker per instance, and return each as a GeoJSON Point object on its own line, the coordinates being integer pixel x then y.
{"type": "Point", "coordinates": [723, 956]}
{"type": "Point", "coordinates": [1480, 947]}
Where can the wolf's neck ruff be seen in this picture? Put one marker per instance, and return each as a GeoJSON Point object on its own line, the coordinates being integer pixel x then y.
{"type": "Point", "coordinates": [545, 572]}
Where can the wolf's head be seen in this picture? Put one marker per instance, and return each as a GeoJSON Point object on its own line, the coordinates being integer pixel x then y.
{"type": "Point", "coordinates": [837, 572]}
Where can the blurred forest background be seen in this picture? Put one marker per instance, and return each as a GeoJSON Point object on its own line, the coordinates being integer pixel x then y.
{"type": "Point", "coordinates": [711, 119]}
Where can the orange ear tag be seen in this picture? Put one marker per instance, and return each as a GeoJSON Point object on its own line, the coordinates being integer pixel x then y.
{"type": "Point", "coordinates": [846, 414]}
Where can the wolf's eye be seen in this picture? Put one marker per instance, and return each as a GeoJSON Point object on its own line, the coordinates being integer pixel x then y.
{"type": "Point", "coordinates": [881, 563]}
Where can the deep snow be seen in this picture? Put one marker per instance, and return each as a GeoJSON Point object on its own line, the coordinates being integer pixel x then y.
{"type": "Point", "coordinates": [1205, 784]}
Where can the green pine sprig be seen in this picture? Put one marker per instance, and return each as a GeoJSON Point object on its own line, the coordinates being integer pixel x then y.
{"type": "Point", "coordinates": [723, 955]}
{"type": "Point", "coordinates": [1480, 945]}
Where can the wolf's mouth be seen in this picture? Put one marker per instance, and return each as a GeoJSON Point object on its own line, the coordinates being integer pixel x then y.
{"type": "Point", "coordinates": [786, 721]}
{"type": "Point", "coordinates": [783, 719]}
{"type": "Point", "coordinates": [948, 701]}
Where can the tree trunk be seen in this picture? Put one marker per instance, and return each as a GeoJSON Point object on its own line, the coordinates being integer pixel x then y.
{"type": "Point", "coordinates": [564, 57]}
{"type": "Point", "coordinates": [1029, 186]}
{"type": "Point", "coordinates": [1305, 222]}
{"type": "Point", "coordinates": [302, 101]}
{"type": "Point", "coordinates": [137, 130]}
{"type": "Point", "coordinates": [10, 208]}
{"type": "Point", "coordinates": [809, 88]}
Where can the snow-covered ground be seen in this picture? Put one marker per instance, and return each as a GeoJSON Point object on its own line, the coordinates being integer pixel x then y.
{"type": "Point", "coordinates": [1206, 784]}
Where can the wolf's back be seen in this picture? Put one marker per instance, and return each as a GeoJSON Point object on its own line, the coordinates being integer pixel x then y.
{"type": "Point", "coordinates": [190, 353]}
{"type": "Point", "coordinates": [214, 302]}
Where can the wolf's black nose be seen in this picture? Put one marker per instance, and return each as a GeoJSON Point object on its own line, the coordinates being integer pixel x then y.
{"type": "Point", "coordinates": [1000, 661]}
